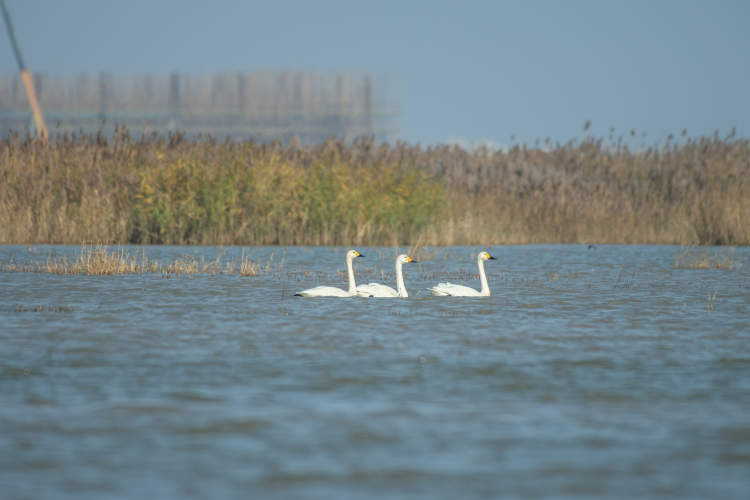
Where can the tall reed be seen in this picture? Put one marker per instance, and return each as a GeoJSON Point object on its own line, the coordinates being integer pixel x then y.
{"type": "Point", "coordinates": [172, 190]}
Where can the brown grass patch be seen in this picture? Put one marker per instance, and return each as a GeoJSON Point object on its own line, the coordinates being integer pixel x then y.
{"type": "Point", "coordinates": [101, 260]}
{"type": "Point", "coordinates": [692, 258]}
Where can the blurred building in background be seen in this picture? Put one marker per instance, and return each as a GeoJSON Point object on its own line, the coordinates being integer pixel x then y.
{"type": "Point", "coordinates": [259, 105]}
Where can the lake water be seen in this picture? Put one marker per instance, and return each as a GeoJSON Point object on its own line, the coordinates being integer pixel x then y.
{"type": "Point", "coordinates": [587, 373]}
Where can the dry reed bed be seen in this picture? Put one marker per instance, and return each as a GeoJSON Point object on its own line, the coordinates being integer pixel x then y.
{"type": "Point", "coordinates": [172, 190]}
{"type": "Point", "coordinates": [692, 258]}
{"type": "Point", "coordinates": [103, 261]}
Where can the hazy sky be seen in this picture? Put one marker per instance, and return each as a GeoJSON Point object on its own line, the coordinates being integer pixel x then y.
{"type": "Point", "coordinates": [481, 70]}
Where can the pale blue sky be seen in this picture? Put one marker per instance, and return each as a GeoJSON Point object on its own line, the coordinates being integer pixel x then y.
{"type": "Point", "coordinates": [476, 70]}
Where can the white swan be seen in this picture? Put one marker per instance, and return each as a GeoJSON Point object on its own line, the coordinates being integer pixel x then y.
{"type": "Point", "coordinates": [378, 290]}
{"type": "Point", "coordinates": [444, 289]}
{"type": "Point", "coordinates": [330, 291]}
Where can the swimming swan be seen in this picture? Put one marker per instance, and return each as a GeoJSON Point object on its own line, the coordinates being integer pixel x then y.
{"type": "Point", "coordinates": [444, 289]}
{"type": "Point", "coordinates": [378, 290]}
{"type": "Point", "coordinates": [329, 291]}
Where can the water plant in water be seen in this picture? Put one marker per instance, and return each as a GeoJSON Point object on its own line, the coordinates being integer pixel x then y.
{"type": "Point", "coordinates": [691, 258]}
{"type": "Point", "coordinates": [100, 260]}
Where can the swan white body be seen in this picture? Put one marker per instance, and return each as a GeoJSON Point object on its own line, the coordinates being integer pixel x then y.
{"type": "Point", "coordinates": [449, 289]}
{"type": "Point", "coordinates": [379, 290]}
{"type": "Point", "coordinates": [330, 291]}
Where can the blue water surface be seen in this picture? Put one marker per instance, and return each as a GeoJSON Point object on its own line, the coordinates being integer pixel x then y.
{"type": "Point", "coordinates": [587, 373]}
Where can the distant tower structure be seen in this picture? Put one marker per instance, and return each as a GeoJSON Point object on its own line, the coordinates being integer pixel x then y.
{"type": "Point", "coordinates": [340, 111]}
{"type": "Point", "coordinates": [174, 102]}
{"type": "Point", "coordinates": [262, 105]}
{"type": "Point", "coordinates": [367, 118]}
{"type": "Point", "coordinates": [104, 95]}
{"type": "Point", "coordinates": [241, 84]}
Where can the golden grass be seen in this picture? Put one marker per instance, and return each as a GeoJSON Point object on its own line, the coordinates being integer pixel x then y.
{"type": "Point", "coordinates": [101, 260]}
{"type": "Point", "coordinates": [96, 261]}
{"type": "Point", "coordinates": [175, 191]}
{"type": "Point", "coordinates": [245, 267]}
{"type": "Point", "coordinates": [692, 258]}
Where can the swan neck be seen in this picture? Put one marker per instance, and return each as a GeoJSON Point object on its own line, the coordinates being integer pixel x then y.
{"type": "Point", "coordinates": [483, 278]}
{"type": "Point", "coordinates": [401, 288]}
{"type": "Point", "coordinates": [350, 271]}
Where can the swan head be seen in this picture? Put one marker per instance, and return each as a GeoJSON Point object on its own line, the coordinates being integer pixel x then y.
{"type": "Point", "coordinates": [352, 254]}
{"type": "Point", "coordinates": [486, 256]}
{"type": "Point", "coordinates": [404, 259]}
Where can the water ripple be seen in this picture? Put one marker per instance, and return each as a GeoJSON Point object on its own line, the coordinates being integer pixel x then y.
{"type": "Point", "coordinates": [606, 373]}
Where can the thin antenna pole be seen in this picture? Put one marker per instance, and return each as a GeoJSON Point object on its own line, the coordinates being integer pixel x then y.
{"type": "Point", "coordinates": [28, 82]}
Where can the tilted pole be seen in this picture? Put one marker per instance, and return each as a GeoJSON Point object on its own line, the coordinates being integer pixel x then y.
{"type": "Point", "coordinates": [28, 82]}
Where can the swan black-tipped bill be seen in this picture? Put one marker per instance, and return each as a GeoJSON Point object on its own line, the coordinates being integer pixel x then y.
{"type": "Point", "coordinates": [492, 258]}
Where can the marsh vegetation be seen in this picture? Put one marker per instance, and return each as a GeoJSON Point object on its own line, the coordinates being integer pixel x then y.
{"type": "Point", "coordinates": [170, 190]}
{"type": "Point", "coordinates": [102, 260]}
{"type": "Point", "coordinates": [693, 258]}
